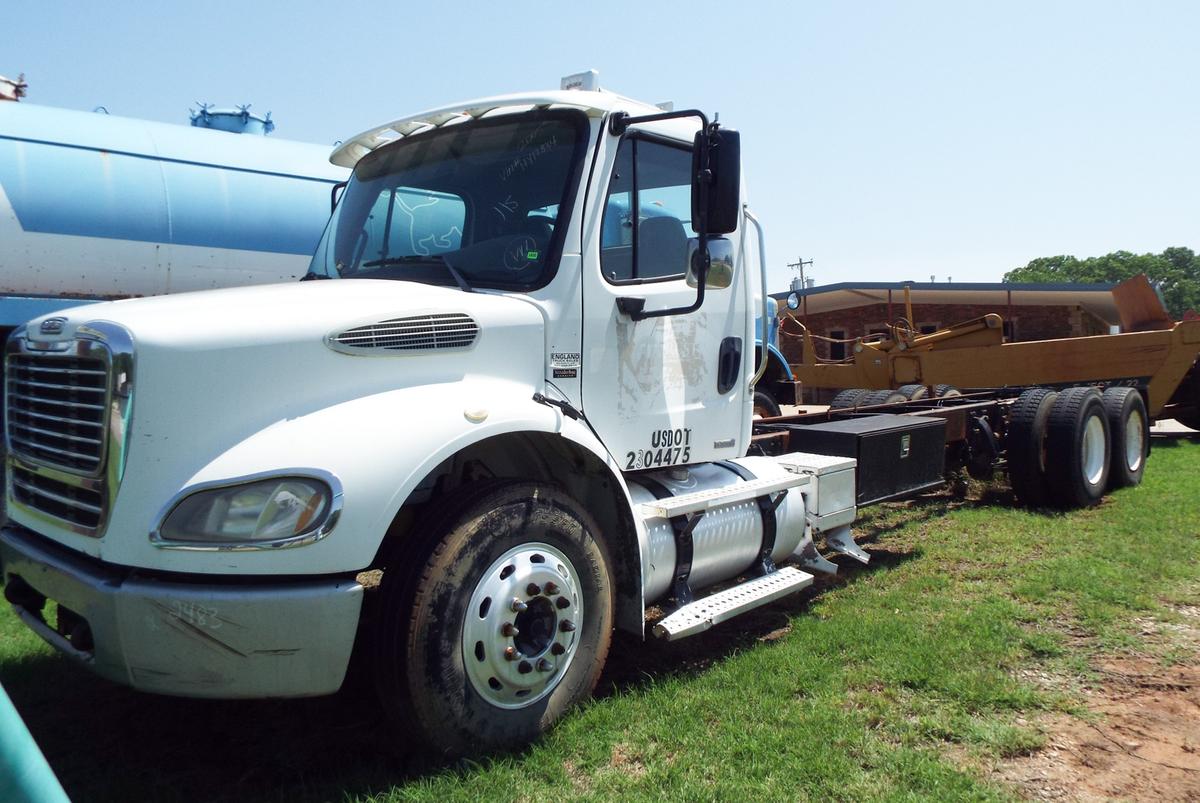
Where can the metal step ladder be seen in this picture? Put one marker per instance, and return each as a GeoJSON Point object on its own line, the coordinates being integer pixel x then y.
{"type": "Point", "coordinates": [685, 511]}
{"type": "Point", "coordinates": [702, 614]}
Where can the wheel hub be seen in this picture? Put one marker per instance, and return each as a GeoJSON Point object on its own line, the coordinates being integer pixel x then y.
{"type": "Point", "coordinates": [521, 628]}
{"type": "Point", "coordinates": [1135, 434]}
{"type": "Point", "coordinates": [1092, 449]}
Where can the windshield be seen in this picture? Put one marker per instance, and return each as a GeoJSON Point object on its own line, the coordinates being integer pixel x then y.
{"type": "Point", "coordinates": [487, 200]}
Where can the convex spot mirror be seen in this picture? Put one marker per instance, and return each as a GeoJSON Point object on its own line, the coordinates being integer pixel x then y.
{"type": "Point", "coordinates": [793, 301]}
{"type": "Point", "coordinates": [720, 268]}
{"type": "Point", "coordinates": [720, 207]}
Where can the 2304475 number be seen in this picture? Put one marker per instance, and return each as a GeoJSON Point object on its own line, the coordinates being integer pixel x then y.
{"type": "Point", "coordinates": [668, 447]}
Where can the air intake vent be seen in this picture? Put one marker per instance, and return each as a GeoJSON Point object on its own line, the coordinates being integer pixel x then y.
{"type": "Point", "coordinates": [453, 330]}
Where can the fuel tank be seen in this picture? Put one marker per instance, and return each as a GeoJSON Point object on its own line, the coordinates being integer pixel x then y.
{"type": "Point", "coordinates": [726, 541]}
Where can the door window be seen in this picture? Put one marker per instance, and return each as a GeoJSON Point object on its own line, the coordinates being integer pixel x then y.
{"type": "Point", "coordinates": [647, 233]}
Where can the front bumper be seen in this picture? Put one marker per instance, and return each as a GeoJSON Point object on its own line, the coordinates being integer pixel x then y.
{"type": "Point", "coordinates": [226, 637]}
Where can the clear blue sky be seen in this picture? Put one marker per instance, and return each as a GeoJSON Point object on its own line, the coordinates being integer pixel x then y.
{"type": "Point", "coordinates": [883, 140]}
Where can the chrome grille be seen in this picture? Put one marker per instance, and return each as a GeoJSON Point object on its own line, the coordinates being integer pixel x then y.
{"type": "Point", "coordinates": [56, 410]}
{"type": "Point", "coordinates": [68, 406]}
{"type": "Point", "coordinates": [417, 333]}
{"type": "Point", "coordinates": [81, 506]}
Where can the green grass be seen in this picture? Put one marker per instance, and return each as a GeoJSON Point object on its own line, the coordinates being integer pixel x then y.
{"type": "Point", "coordinates": [901, 680]}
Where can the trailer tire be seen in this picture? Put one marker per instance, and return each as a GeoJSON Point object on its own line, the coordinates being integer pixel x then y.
{"type": "Point", "coordinates": [1026, 445]}
{"type": "Point", "coordinates": [1129, 428]}
{"type": "Point", "coordinates": [848, 399]}
{"type": "Point", "coordinates": [945, 391]}
{"type": "Point", "coordinates": [765, 405]}
{"type": "Point", "coordinates": [1077, 448]}
{"type": "Point", "coordinates": [442, 661]}
{"type": "Point", "coordinates": [875, 397]}
{"type": "Point", "coordinates": [913, 392]}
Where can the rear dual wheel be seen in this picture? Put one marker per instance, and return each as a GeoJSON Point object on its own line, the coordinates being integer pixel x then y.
{"type": "Point", "coordinates": [1078, 452]}
{"type": "Point", "coordinates": [1130, 430]}
{"type": "Point", "coordinates": [505, 626]}
{"type": "Point", "coordinates": [1027, 445]}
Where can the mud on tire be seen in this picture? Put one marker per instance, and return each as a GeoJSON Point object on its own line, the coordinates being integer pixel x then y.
{"type": "Point", "coordinates": [442, 660]}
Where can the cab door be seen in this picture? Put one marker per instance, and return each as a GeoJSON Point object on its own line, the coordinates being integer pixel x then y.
{"type": "Point", "coordinates": [664, 390]}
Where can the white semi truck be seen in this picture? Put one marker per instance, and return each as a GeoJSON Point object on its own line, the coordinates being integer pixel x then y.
{"type": "Point", "coordinates": [508, 411]}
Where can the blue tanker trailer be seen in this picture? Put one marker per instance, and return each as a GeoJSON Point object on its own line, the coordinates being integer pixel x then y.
{"type": "Point", "coordinates": [95, 207]}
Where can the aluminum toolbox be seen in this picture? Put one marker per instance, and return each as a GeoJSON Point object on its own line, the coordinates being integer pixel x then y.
{"type": "Point", "coordinates": [897, 454]}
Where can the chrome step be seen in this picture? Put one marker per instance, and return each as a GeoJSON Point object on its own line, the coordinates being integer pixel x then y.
{"type": "Point", "coordinates": [718, 497]}
{"type": "Point", "coordinates": [704, 613]}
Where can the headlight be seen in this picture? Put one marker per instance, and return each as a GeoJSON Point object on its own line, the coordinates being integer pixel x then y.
{"type": "Point", "coordinates": [280, 511]}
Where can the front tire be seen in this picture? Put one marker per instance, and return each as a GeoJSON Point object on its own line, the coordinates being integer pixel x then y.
{"type": "Point", "coordinates": [506, 625]}
{"type": "Point", "coordinates": [765, 405]}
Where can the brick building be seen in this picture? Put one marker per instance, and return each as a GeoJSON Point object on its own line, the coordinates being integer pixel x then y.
{"type": "Point", "coordinates": [1030, 311]}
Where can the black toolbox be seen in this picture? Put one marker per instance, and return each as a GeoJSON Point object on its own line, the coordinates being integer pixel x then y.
{"type": "Point", "coordinates": [897, 454]}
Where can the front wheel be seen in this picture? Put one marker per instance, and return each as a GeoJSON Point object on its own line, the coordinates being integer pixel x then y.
{"type": "Point", "coordinates": [765, 405]}
{"type": "Point", "coordinates": [504, 628]}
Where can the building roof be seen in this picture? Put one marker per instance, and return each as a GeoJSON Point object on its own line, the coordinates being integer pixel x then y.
{"type": "Point", "coordinates": [1095, 298]}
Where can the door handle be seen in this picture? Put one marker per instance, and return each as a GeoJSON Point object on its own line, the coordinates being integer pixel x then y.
{"type": "Point", "coordinates": [729, 364]}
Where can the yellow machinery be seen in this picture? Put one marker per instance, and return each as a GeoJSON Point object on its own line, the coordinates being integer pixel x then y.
{"type": "Point", "coordinates": [1153, 354]}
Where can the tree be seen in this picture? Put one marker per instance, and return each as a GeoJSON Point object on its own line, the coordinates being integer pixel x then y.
{"type": "Point", "coordinates": [1175, 272]}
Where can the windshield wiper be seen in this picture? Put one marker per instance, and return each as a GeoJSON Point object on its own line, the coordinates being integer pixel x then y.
{"type": "Point", "coordinates": [419, 259]}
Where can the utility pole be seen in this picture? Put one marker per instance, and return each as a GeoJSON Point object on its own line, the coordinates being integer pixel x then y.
{"type": "Point", "coordinates": [799, 264]}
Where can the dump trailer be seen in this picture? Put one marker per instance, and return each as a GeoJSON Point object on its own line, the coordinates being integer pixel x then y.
{"type": "Point", "coordinates": [1067, 419]}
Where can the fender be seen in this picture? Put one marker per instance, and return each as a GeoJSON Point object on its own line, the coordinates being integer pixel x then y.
{"type": "Point", "coordinates": [372, 445]}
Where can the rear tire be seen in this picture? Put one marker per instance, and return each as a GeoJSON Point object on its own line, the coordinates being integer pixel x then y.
{"type": "Point", "coordinates": [875, 397]}
{"type": "Point", "coordinates": [1026, 445]}
{"type": "Point", "coordinates": [914, 392]}
{"type": "Point", "coordinates": [847, 399]}
{"type": "Point", "coordinates": [765, 406]}
{"type": "Point", "coordinates": [1077, 448]}
{"type": "Point", "coordinates": [945, 391]}
{"type": "Point", "coordinates": [1129, 428]}
{"type": "Point", "coordinates": [441, 662]}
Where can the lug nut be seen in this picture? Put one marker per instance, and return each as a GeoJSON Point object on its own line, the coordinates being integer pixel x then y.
{"type": "Point", "coordinates": [557, 649]}
{"type": "Point", "coordinates": [544, 665]}
{"type": "Point", "coordinates": [567, 626]}
{"type": "Point", "coordinates": [509, 629]}
{"type": "Point", "coordinates": [511, 654]}
{"type": "Point", "coordinates": [562, 602]}
{"type": "Point", "coordinates": [518, 606]}
{"type": "Point", "coordinates": [524, 667]}
{"type": "Point", "coordinates": [551, 589]}
{"type": "Point", "coordinates": [533, 589]}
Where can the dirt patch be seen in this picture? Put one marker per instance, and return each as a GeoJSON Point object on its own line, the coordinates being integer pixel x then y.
{"type": "Point", "coordinates": [1140, 740]}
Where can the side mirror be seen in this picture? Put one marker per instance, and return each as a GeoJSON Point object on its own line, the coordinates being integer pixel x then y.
{"type": "Point", "coordinates": [793, 301]}
{"type": "Point", "coordinates": [720, 267]}
{"type": "Point", "coordinates": [717, 206]}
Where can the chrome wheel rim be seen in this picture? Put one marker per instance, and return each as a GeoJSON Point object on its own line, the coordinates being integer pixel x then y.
{"type": "Point", "coordinates": [1135, 440]}
{"type": "Point", "coordinates": [521, 629]}
{"type": "Point", "coordinates": [1093, 450]}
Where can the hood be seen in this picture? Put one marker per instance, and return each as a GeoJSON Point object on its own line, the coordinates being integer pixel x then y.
{"type": "Point", "coordinates": [211, 369]}
{"type": "Point", "coordinates": [243, 317]}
